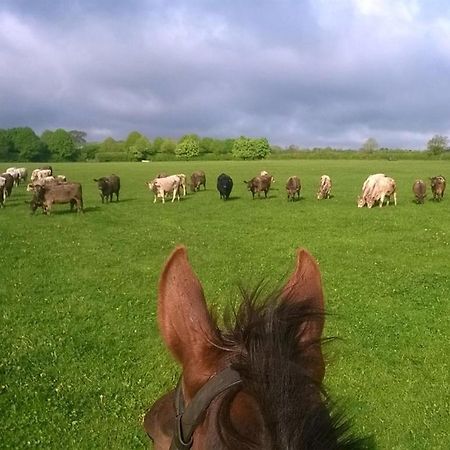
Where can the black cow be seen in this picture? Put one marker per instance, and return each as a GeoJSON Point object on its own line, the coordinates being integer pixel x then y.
{"type": "Point", "coordinates": [224, 185]}
{"type": "Point", "coordinates": [108, 186]}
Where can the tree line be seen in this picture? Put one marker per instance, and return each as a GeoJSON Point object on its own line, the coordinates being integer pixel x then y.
{"type": "Point", "coordinates": [23, 144]}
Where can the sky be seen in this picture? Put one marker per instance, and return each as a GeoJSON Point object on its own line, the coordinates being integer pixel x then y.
{"type": "Point", "coordinates": [310, 73]}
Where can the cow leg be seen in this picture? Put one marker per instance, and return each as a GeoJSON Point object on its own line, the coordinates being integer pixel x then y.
{"type": "Point", "coordinates": [395, 199]}
{"type": "Point", "coordinates": [154, 200]}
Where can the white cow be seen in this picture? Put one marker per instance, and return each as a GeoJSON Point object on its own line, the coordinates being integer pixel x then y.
{"type": "Point", "coordinates": [162, 186]}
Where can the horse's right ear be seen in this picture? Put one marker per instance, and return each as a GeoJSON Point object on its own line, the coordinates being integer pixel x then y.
{"type": "Point", "coordinates": [305, 287]}
{"type": "Point", "coordinates": [185, 323]}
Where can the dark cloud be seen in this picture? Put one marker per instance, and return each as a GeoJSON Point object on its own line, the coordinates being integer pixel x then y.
{"type": "Point", "coordinates": [308, 73]}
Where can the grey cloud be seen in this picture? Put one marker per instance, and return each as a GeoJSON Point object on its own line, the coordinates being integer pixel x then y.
{"type": "Point", "coordinates": [295, 74]}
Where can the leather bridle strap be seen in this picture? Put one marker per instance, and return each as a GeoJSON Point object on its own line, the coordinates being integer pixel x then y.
{"type": "Point", "coordinates": [188, 418]}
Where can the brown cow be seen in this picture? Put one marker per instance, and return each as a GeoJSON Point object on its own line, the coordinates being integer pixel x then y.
{"type": "Point", "coordinates": [258, 184]}
{"type": "Point", "coordinates": [420, 190]}
{"type": "Point", "coordinates": [198, 179]}
{"type": "Point", "coordinates": [438, 185]}
{"type": "Point", "coordinates": [45, 196]}
{"type": "Point", "coordinates": [293, 187]}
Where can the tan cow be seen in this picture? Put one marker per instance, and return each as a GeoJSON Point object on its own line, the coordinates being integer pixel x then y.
{"type": "Point", "coordinates": [367, 188]}
{"type": "Point", "coordinates": [324, 190]}
{"type": "Point", "coordinates": [167, 185]}
{"type": "Point", "coordinates": [438, 185]}
{"type": "Point", "coordinates": [384, 188]}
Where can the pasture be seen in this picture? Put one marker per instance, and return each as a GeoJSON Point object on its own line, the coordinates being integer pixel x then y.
{"type": "Point", "coordinates": [81, 358]}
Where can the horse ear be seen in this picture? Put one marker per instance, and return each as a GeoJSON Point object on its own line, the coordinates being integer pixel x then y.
{"type": "Point", "coordinates": [184, 321]}
{"type": "Point", "coordinates": [305, 287]}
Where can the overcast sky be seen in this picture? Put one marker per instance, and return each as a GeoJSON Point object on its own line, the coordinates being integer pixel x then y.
{"type": "Point", "coordinates": [309, 73]}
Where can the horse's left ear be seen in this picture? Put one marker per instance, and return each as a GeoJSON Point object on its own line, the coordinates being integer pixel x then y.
{"type": "Point", "coordinates": [185, 323]}
{"type": "Point", "coordinates": [305, 287]}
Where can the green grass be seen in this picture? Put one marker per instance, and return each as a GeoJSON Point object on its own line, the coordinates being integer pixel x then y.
{"type": "Point", "coordinates": [80, 355]}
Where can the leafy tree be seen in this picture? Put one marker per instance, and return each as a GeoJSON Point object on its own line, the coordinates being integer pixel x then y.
{"type": "Point", "coordinates": [132, 138]}
{"type": "Point", "coordinates": [89, 151]}
{"type": "Point", "coordinates": [167, 146]}
{"type": "Point", "coordinates": [6, 146]}
{"type": "Point", "coordinates": [78, 137]}
{"type": "Point", "coordinates": [111, 145]}
{"type": "Point", "coordinates": [248, 148]}
{"type": "Point", "coordinates": [60, 144]}
{"type": "Point", "coordinates": [438, 144]}
{"type": "Point", "coordinates": [27, 144]}
{"type": "Point", "coordinates": [140, 149]}
{"type": "Point", "coordinates": [188, 147]}
{"type": "Point", "coordinates": [370, 146]}
{"type": "Point", "coordinates": [156, 146]}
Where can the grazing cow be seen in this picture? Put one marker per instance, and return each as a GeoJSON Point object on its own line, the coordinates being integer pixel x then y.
{"type": "Point", "coordinates": [198, 179]}
{"type": "Point", "coordinates": [162, 186]}
{"type": "Point", "coordinates": [46, 196]}
{"type": "Point", "coordinates": [15, 174]}
{"type": "Point", "coordinates": [438, 185]}
{"type": "Point", "coordinates": [224, 185]}
{"type": "Point", "coordinates": [293, 187]}
{"type": "Point", "coordinates": [46, 181]}
{"type": "Point", "coordinates": [367, 188]}
{"type": "Point", "coordinates": [384, 188]}
{"type": "Point", "coordinates": [182, 186]}
{"type": "Point", "coordinates": [264, 173]}
{"type": "Point", "coordinates": [108, 186]}
{"type": "Point", "coordinates": [9, 183]}
{"type": "Point", "coordinates": [37, 174]}
{"type": "Point", "coordinates": [23, 172]}
{"type": "Point", "coordinates": [2, 191]}
{"type": "Point", "coordinates": [258, 184]}
{"type": "Point", "coordinates": [324, 190]}
{"type": "Point", "coordinates": [420, 190]}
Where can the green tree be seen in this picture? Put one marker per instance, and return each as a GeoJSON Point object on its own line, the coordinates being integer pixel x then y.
{"type": "Point", "coordinates": [79, 138]}
{"type": "Point", "coordinates": [248, 148]}
{"type": "Point", "coordinates": [6, 146]}
{"type": "Point", "coordinates": [167, 146]}
{"type": "Point", "coordinates": [156, 146]}
{"type": "Point", "coordinates": [27, 144]}
{"type": "Point", "coordinates": [437, 144]}
{"type": "Point", "coordinates": [370, 146]}
{"type": "Point", "coordinates": [140, 149]}
{"type": "Point", "coordinates": [60, 145]}
{"type": "Point", "coordinates": [188, 147]}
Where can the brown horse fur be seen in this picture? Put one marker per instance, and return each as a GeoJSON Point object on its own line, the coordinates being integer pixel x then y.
{"type": "Point", "coordinates": [274, 344]}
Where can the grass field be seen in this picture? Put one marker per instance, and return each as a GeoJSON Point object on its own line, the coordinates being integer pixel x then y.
{"type": "Point", "coordinates": [80, 355]}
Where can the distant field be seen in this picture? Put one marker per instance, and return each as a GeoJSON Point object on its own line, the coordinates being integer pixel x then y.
{"type": "Point", "coordinates": [80, 354]}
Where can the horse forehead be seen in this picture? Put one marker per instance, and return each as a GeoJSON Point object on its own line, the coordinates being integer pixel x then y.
{"type": "Point", "coordinates": [244, 418]}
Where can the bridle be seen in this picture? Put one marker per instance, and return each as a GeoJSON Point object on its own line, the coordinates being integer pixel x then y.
{"type": "Point", "coordinates": [188, 418]}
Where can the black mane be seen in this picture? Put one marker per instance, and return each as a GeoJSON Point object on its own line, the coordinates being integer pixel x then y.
{"type": "Point", "coordinates": [262, 336]}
